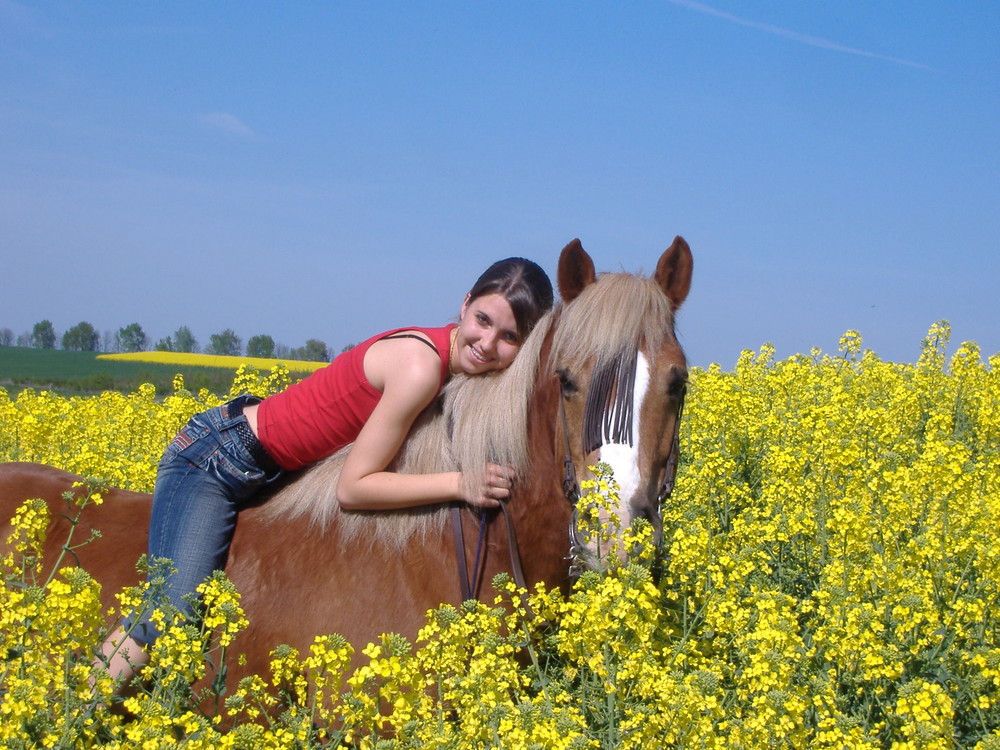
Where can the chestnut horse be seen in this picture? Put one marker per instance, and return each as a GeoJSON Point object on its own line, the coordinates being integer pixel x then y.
{"type": "Point", "coordinates": [604, 365]}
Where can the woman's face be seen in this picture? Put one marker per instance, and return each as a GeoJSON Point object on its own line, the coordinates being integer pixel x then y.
{"type": "Point", "coordinates": [487, 336]}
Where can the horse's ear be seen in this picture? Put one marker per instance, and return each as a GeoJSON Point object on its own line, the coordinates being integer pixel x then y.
{"type": "Point", "coordinates": [576, 271]}
{"type": "Point", "coordinates": [673, 272]}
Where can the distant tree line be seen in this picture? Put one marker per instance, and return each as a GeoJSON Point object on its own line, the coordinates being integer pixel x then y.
{"type": "Point", "coordinates": [131, 338]}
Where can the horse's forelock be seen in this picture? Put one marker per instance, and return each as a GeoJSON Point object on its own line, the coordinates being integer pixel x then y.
{"type": "Point", "coordinates": [611, 319]}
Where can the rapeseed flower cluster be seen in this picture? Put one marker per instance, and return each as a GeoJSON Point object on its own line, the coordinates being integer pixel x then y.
{"type": "Point", "coordinates": [828, 578]}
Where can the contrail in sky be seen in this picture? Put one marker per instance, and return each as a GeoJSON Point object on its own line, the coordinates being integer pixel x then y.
{"type": "Point", "coordinates": [795, 36]}
{"type": "Point", "coordinates": [228, 123]}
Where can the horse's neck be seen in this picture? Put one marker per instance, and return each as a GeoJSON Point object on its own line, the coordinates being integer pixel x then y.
{"type": "Point", "coordinates": [540, 510]}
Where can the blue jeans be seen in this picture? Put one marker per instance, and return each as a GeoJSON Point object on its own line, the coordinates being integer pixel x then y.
{"type": "Point", "coordinates": [205, 476]}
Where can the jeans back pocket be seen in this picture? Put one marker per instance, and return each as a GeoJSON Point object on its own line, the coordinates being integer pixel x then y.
{"type": "Point", "coordinates": [195, 443]}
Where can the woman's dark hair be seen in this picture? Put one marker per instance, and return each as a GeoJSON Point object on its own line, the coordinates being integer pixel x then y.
{"type": "Point", "coordinates": [523, 284]}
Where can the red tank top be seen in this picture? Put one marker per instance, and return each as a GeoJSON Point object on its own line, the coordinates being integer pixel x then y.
{"type": "Point", "coordinates": [322, 413]}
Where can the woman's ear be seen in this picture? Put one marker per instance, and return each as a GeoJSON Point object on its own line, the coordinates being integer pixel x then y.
{"type": "Point", "coordinates": [465, 305]}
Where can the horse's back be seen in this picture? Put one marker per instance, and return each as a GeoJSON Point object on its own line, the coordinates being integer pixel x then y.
{"type": "Point", "coordinates": [20, 481]}
{"type": "Point", "coordinates": [115, 530]}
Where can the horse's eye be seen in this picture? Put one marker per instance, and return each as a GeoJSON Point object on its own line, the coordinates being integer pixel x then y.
{"type": "Point", "coordinates": [566, 383]}
{"type": "Point", "coordinates": [678, 385]}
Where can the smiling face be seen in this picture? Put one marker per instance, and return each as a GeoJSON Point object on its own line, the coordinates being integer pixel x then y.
{"type": "Point", "coordinates": [486, 338]}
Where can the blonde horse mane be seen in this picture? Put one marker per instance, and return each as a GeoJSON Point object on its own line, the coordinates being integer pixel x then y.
{"type": "Point", "coordinates": [484, 418]}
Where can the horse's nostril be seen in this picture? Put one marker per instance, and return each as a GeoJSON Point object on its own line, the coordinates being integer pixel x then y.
{"type": "Point", "coordinates": [647, 511]}
{"type": "Point", "coordinates": [644, 510]}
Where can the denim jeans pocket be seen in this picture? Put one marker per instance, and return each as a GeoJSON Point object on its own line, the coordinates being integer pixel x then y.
{"type": "Point", "coordinates": [207, 443]}
{"type": "Point", "coordinates": [195, 444]}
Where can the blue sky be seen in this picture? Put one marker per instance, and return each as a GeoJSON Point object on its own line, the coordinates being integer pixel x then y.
{"type": "Point", "coordinates": [331, 169]}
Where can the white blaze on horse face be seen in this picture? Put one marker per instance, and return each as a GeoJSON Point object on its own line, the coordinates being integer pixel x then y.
{"type": "Point", "coordinates": [624, 459]}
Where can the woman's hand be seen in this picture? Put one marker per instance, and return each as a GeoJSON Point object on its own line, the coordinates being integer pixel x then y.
{"type": "Point", "coordinates": [490, 488]}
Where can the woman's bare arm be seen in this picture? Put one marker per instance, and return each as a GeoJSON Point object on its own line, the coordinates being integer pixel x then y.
{"type": "Point", "coordinates": [408, 374]}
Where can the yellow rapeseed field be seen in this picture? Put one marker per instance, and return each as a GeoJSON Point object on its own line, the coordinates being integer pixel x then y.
{"type": "Point", "coordinates": [214, 360]}
{"type": "Point", "coordinates": [829, 578]}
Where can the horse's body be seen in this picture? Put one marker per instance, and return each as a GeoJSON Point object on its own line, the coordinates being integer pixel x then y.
{"type": "Point", "coordinates": [305, 568]}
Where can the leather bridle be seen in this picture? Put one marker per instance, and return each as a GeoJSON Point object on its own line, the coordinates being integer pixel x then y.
{"type": "Point", "coordinates": [571, 490]}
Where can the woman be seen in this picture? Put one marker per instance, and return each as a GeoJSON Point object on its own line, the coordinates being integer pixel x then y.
{"type": "Point", "coordinates": [369, 395]}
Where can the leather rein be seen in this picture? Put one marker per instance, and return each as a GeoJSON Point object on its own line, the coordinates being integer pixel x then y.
{"type": "Point", "coordinates": [571, 491]}
{"type": "Point", "coordinates": [470, 583]}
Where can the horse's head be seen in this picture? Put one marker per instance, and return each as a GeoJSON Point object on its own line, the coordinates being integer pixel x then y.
{"type": "Point", "coordinates": [622, 375]}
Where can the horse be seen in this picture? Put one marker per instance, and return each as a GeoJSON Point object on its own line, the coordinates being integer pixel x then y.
{"type": "Point", "coordinates": [601, 378]}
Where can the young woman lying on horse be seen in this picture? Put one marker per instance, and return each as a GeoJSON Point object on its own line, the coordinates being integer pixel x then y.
{"type": "Point", "coordinates": [369, 396]}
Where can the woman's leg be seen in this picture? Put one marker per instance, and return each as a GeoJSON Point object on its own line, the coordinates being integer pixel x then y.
{"type": "Point", "coordinates": [204, 477]}
{"type": "Point", "coordinates": [192, 525]}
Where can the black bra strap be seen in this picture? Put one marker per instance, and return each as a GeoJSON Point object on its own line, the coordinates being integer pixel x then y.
{"type": "Point", "coordinates": [410, 336]}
